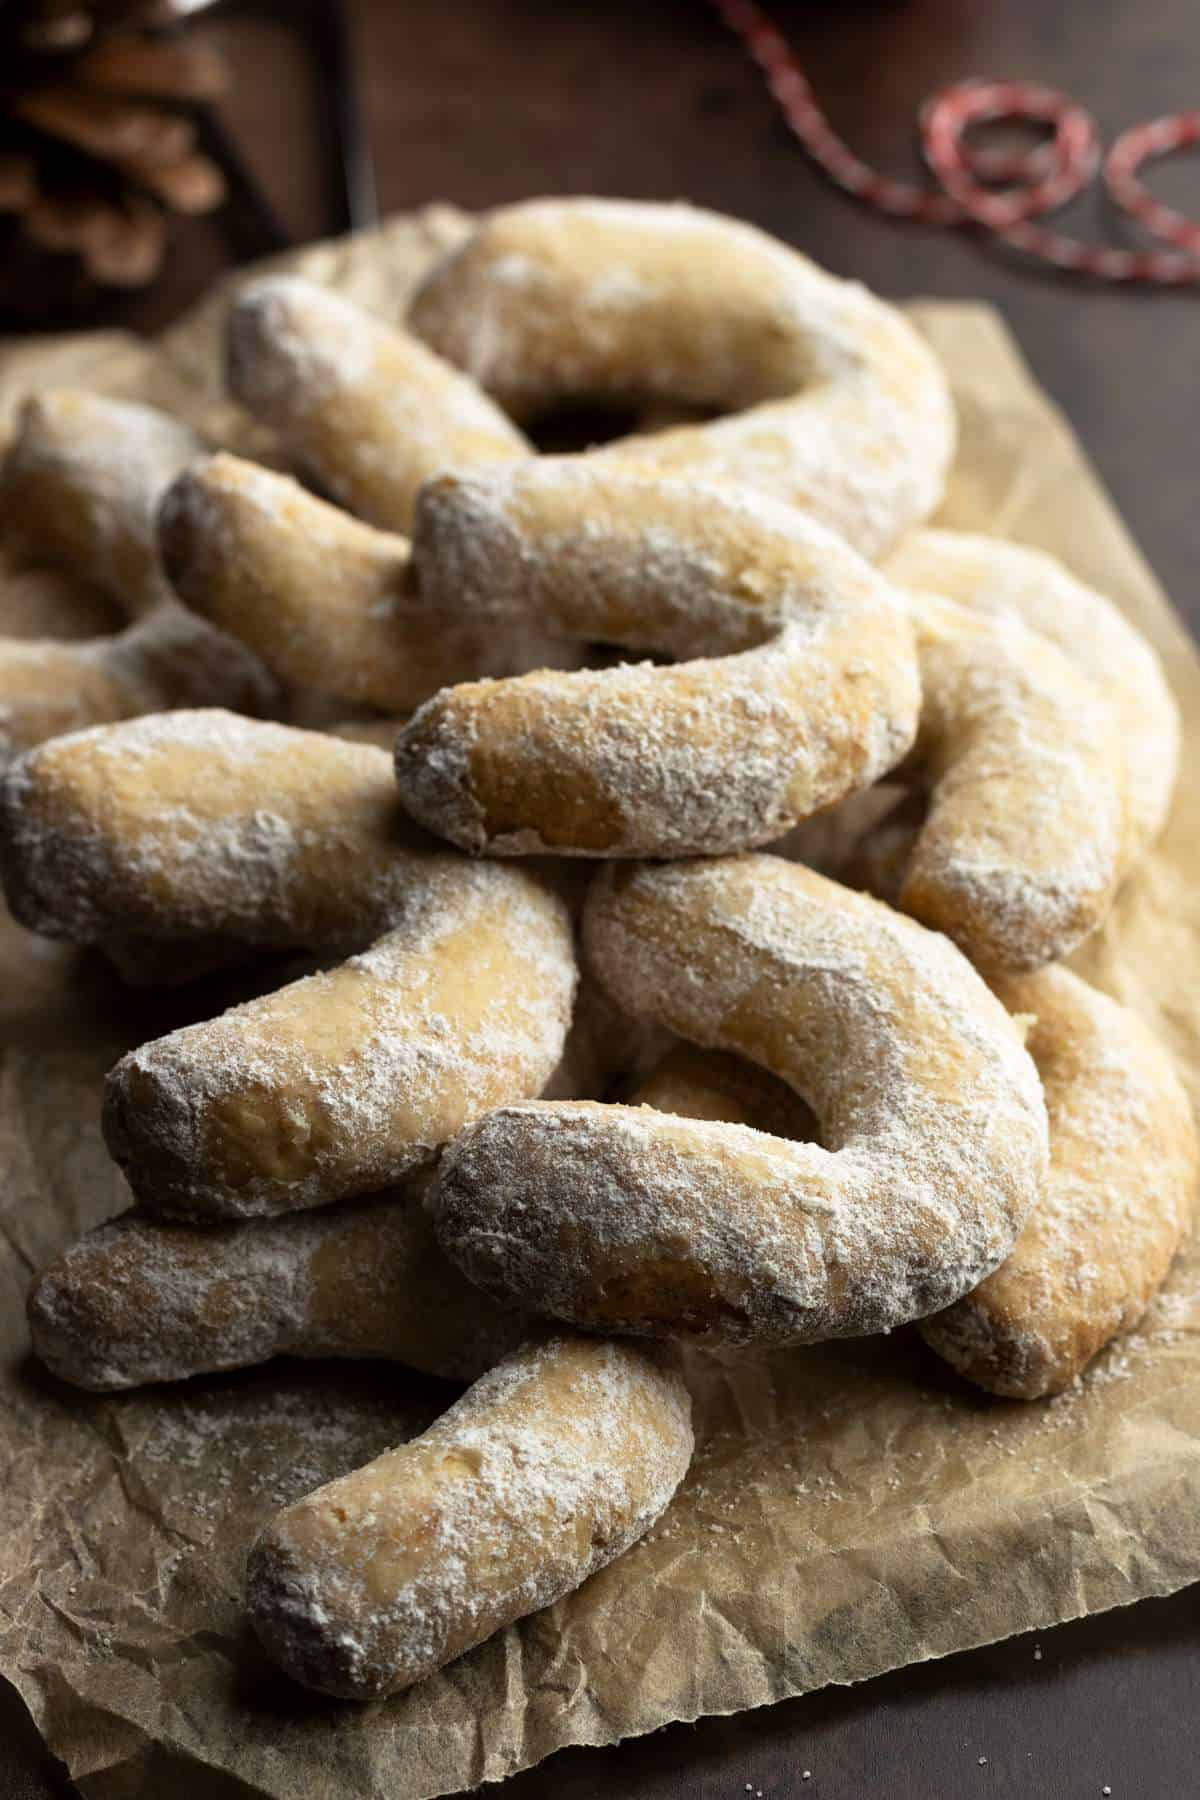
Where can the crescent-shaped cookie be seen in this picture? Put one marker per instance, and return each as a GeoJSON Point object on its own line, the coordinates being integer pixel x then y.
{"type": "Point", "coordinates": [797, 682]}
{"type": "Point", "coordinates": [933, 1126]}
{"type": "Point", "coordinates": [836, 405]}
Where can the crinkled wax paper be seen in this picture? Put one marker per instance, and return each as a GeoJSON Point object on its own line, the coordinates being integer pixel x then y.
{"type": "Point", "coordinates": [851, 1509]}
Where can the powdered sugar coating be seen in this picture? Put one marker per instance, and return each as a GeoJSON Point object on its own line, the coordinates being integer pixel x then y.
{"type": "Point", "coordinates": [546, 1470]}
{"type": "Point", "coordinates": [932, 1120]}
{"type": "Point", "coordinates": [338, 1084]}
{"type": "Point", "coordinates": [806, 688]}
{"type": "Point", "coordinates": [1005, 580]}
{"type": "Point", "coordinates": [140, 1301]}
{"type": "Point", "coordinates": [202, 822]}
{"type": "Point", "coordinates": [366, 410]}
{"type": "Point", "coordinates": [146, 1300]}
{"type": "Point", "coordinates": [1026, 833]}
{"type": "Point", "coordinates": [1120, 1190]}
{"type": "Point", "coordinates": [334, 1085]}
{"type": "Point", "coordinates": [1118, 1198]}
{"type": "Point", "coordinates": [848, 413]}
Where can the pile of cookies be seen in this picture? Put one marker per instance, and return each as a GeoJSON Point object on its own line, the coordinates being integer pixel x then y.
{"type": "Point", "coordinates": [578, 1079]}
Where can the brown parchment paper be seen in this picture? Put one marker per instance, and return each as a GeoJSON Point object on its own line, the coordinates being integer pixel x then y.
{"type": "Point", "coordinates": [851, 1509]}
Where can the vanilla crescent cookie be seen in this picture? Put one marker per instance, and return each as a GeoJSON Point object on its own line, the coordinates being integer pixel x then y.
{"type": "Point", "coordinates": [366, 411]}
{"type": "Point", "coordinates": [80, 484]}
{"type": "Point", "coordinates": [202, 823]}
{"type": "Point", "coordinates": [551, 1466]}
{"type": "Point", "coordinates": [933, 1126]}
{"type": "Point", "coordinates": [1119, 1197]}
{"type": "Point", "coordinates": [798, 683]}
{"type": "Point", "coordinates": [337, 1084]}
{"type": "Point", "coordinates": [206, 824]}
{"type": "Point", "coordinates": [155, 961]}
{"type": "Point", "coordinates": [1003, 580]}
{"type": "Point", "coordinates": [327, 602]}
{"type": "Point", "coordinates": [79, 488]}
{"type": "Point", "coordinates": [140, 1300]}
{"type": "Point", "coordinates": [1048, 749]}
{"type": "Point", "coordinates": [837, 406]}
{"type": "Point", "coordinates": [1026, 831]}
{"type": "Point", "coordinates": [1120, 1190]}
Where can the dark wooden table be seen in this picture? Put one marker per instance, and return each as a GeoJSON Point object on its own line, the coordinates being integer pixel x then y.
{"type": "Point", "coordinates": [491, 100]}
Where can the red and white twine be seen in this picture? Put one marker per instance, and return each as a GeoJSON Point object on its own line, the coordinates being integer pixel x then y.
{"type": "Point", "coordinates": [1034, 182]}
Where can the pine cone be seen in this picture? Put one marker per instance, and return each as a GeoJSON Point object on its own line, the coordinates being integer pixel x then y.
{"type": "Point", "coordinates": [97, 139]}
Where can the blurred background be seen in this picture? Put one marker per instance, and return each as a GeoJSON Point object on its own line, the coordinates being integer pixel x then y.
{"type": "Point", "coordinates": [147, 149]}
